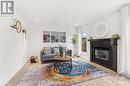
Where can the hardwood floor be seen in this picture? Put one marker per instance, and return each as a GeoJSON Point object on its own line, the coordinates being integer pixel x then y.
{"type": "Point", "coordinates": [111, 80]}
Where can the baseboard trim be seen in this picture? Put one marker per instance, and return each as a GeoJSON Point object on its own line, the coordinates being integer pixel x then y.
{"type": "Point", "coordinates": [125, 75]}
{"type": "Point", "coordinates": [14, 80]}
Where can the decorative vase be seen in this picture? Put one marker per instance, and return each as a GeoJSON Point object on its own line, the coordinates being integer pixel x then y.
{"type": "Point", "coordinates": [61, 53]}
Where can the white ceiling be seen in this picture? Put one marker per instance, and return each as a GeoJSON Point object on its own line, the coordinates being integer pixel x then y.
{"type": "Point", "coordinates": [65, 12]}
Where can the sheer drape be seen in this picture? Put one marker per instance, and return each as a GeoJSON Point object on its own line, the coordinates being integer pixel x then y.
{"type": "Point", "coordinates": [125, 41]}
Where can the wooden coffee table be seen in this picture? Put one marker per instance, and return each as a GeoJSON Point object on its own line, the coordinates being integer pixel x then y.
{"type": "Point", "coordinates": [63, 65]}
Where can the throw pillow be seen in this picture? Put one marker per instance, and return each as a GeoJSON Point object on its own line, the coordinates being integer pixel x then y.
{"type": "Point", "coordinates": [45, 50]}
{"type": "Point", "coordinates": [56, 50]}
{"type": "Point", "coordinates": [49, 51]}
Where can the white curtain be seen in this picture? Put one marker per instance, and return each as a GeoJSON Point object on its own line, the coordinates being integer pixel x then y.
{"type": "Point", "coordinates": [78, 45]}
{"type": "Point", "coordinates": [125, 41]}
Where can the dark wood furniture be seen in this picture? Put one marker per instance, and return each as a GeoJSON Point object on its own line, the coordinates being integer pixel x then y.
{"type": "Point", "coordinates": [104, 46]}
{"type": "Point", "coordinates": [63, 65]}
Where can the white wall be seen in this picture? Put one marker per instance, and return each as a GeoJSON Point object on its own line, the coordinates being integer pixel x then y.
{"type": "Point", "coordinates": [12, 50]}
{"type": "Point", "coordinates": [114, 27]}
{"type": "Point", "coordinates": [113, 22]}
{"type": "Point", "coordinates": [35, 42]}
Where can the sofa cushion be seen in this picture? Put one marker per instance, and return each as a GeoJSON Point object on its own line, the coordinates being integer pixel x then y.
{"type": "Point", "coordinates": [48, 57]}
{"type": "Point", "coordinates": [49, 51]}
{"type": "Point", "coordinates": [56, 50]}
{"type": "Point", "coordinates": [45, 50]}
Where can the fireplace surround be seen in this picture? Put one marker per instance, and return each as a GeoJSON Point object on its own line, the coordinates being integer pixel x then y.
{"type": "Point", "coordinates": [104, 52]}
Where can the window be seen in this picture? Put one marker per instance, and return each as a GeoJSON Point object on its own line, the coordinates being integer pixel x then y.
{"type": "Point", "coordinates": [84, 42]}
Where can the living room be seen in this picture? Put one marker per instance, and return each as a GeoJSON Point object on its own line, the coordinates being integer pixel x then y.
{"type": "Point", "coordinates": [63, 43]}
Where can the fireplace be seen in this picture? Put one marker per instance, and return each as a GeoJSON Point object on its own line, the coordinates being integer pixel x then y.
{"type": "Point", "coordinates": [104, 53]}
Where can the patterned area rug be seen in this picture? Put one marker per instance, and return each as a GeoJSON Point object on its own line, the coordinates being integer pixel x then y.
{"type": "Point", "coordinates": [81, 71]}
{"type": "Point", "coordinates": [44, 75]}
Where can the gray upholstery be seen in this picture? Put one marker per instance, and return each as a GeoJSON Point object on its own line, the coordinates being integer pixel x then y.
{"type": "Point", "coordinates": [50, 56]}
{"type": "Point", "coordinates": [47, 57]}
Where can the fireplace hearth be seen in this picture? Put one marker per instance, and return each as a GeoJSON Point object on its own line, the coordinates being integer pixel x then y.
{"type": "Point", "coordinates": [103, 52]}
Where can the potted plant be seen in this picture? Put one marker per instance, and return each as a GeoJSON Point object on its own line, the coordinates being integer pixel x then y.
{"type": "Point", "coordinates": [61, 51]}
{"type": "Point", "coordinates": [74, 42]}
{"type": "Point", "coordinates": [114, 39]}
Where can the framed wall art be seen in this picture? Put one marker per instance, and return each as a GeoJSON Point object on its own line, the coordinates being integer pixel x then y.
{"type": "Point", "coordinates": [46, 36]}
{"type": "Point", "coordinates": [54, 37]}
{"type": "Point", "coordinates": [62, 37]}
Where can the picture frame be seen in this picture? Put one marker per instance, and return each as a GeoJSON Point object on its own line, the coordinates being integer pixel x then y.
{"type": "Point", "coordinates": [46, 36]}
{"type": "Point", "coordinates": [63, 37]}
{"type": "Point", "coordinates": [54, 37]}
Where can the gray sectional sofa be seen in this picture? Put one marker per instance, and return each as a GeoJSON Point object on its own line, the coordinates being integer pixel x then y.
{"type": "Point", "coordinates": [48, 54]}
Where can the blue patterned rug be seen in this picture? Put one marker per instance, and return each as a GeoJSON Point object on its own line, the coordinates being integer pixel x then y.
{"type": "Point", "coordinates": [81, 71]}
{"type": "Point", "coordinates": [80, 67]}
